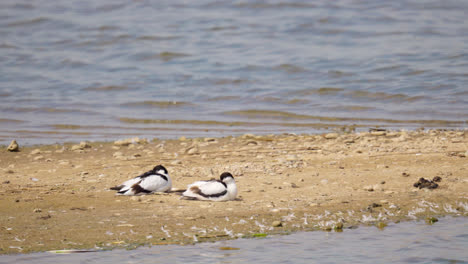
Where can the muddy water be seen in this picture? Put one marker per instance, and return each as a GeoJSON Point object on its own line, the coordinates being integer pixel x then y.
{"type": "Point", "coordinates": [410, 242]}
{"type": "Point", "coordinates": [104, 70]}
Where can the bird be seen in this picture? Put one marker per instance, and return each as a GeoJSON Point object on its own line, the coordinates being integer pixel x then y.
{"type": "Point", "coordinates": [155, 180]}
{"type": "Point", "coordinates": [224, 189]}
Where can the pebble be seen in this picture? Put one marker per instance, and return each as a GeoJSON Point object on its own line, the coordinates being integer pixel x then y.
{"type": "Point", "coordinates": [38, 157]}
{"type": "Point", "coordinates": [378, 133]}
{"type": "Point", "coordinates": [84, 144]}
{"type": "Point", "coordinates": [117, 154]}
{"type": "Point", "coordinates": [331, 135]}
{"type": "Point", "coordinates": [13, 147]}
{"type": "Point", "coordinates": [277, 224]}
{"type": "Point", "coordinates": [76, 147]}
{"type": "Point", "coordinates": [247, 136]}
{"type": "Point", "coordinates": [176, 162]}
{"type": "Point", "coordinates": [192, 150]}
{"type": "Point", "coordinates": [36, 151]}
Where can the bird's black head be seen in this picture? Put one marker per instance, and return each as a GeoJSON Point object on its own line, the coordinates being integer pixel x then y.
{"type": "Point", "coordinates": [226, 175]}
{"type": "Point", "coordinates": [160, 169]}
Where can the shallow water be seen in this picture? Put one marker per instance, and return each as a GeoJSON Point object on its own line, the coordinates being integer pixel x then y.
{"type": "Point", "coordinates": [410, 242]}
{"type": "Point", "coordinates": [104, 70]}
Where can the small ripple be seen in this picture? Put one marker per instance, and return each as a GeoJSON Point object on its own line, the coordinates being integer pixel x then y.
{"type": "Point", "coordinates": [107, 88]}
{"type": "Point", "coordinates": [164, 56]}
{"type": "Point", "coordinates": [229, 81]}
{"type": "Point", "coordinates": [265, 5]}
{"type": "Point", "coordinates": [319, 91]}
{"type": "Point", "coordinates": [8, 46]}
{"type": "Point", "coordinates": [384, 96]}
{"type": "Point", "coordinates": [159, 104]}
{"type": "Point", "coordinates": [6, 120]}
{"type": "Point", "coordinates": [29, 22]}
{"type": "Point", "coordinates": [290, 68]}
{"type": "Point", "coordinates": [225, 98]}
{"type": "Point", "coordinates": [157, 38]}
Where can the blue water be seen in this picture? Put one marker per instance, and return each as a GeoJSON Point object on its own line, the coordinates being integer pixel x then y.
{"type": "Point", "coordinates": [104, 70]}
{"type": "Point", "coordinates": [411, 242]}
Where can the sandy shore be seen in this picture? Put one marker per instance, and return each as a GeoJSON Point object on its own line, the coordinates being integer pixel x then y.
{"type": "Point", "coordinates": [58, 197]}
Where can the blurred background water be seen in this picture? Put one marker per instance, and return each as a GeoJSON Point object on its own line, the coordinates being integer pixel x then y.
{"type": "Point", "coordinates": [409, 242]}
{"type": "Point", "coordinates": [105, 70]}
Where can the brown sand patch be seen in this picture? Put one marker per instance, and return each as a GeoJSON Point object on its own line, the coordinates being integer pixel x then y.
{"type": "Point", "coordinates": [56, 198]}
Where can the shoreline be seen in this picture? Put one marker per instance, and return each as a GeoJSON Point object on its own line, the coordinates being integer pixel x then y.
{"type": "Point", "coordinates": [57, 196]}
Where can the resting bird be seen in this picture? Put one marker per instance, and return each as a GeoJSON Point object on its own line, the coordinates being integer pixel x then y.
{"type": "Point", "coordinates": [155, 180]}
{"type": "Point", "coordinates": [213, 190]}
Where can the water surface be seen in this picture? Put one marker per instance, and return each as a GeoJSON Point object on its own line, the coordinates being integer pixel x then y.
{"type": "Point", "coordinates": [409, 242]}
{"type": "Point", "coordinates": [104, 70]}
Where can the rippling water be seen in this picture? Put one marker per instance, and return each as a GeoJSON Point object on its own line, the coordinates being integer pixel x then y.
{"type": "Point", "coordinates": [411, 242]}
{"type": "Point", "coordinates": [103, 70]}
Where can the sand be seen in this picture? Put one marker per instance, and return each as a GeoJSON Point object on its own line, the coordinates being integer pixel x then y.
{"type": "Point", "coordinates": [57, 196]}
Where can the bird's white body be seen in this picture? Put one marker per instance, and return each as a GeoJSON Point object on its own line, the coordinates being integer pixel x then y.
{"type": "Point", "coordinates": [213, 190]}
{"type": "Point", "coordinates": [156, 180]}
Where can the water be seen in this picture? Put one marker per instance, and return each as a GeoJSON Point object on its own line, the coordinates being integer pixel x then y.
{"type": "Point", "coordinates": [105, 70]}
{"type": "Point", "coordinates": [409, 242]}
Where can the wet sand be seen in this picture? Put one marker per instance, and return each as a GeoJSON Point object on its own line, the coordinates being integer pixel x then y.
{"type": "Point", "coordinates": [57, 196]}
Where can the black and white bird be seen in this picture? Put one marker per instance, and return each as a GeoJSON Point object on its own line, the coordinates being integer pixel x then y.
{"type": "Point", "coordinates": [224, 189]}
{"type": "Point", "coordinates": [155, 180]}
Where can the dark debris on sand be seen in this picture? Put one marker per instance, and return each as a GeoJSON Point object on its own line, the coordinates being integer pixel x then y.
{"type": "Point", "coordinates": [423, 183]}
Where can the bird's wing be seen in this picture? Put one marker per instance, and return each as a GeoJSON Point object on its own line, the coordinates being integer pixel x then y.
{"type": "Point", "coordinates": [153, 183]}
{"type": "Point", "coordinates": [212, 188]}
{"type": "Point", "coordinates": [130, 182]}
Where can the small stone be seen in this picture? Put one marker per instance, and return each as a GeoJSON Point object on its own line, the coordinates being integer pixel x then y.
{"type": "Point", "coordinates": [176, 162]}
{"type": "Point", "coordinates": [378, 133]}
{"type": "Point", "coordinates": [209, 139]}
{"type": "Point", "coordinates": [13, 147]}
{"type": "Point", "coordinates": [405, 174]}
{"type": "Point", "coordinates": [36, 151]}
{"type": "Point", "coordinates": [84, 144]}
{"type": "Point", "coordinates": [37, 210]}
{"type": "Point", "coordinates": [324, 181]}
{"type": "Point", "coordinates": [38, 157]}
{"type": "Point", "coordinates": [437, 179]}
{"type": "Point", "coordinates": [247, 136]}
{"type": "Point", "coordinates": [123, 142]}
{"type": "Point", "coordinates": [76, 147]}
{"type": "Point", "coordinates": [277, 224]}
{"type": "Point", "coordinates": [369, 188]}
{"type": "Point", "coordinates": [331, 136]}
{"type": "Point", "coordinates": [117, 154]}
{"type": "Point", "coordinates": [6, 182]}
{"type": "Point", "coordinates": [192, 150]}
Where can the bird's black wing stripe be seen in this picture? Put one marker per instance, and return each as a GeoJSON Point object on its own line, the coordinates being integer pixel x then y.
{"type": "Point", "coordinates": [162, 176]}
{"type": "Point", "coordinates": [146, 174]}
{"type": "Point", "coordinates": [211, 195]}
